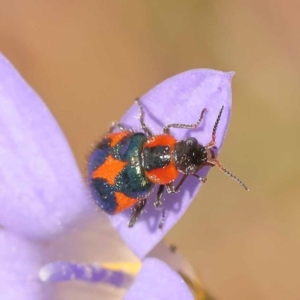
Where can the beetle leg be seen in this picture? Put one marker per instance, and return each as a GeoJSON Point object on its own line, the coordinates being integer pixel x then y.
{"type": "Point", "coordinates": [137, 210]}
{"type": "Point", "coordinates": [116, 126]}
{"type": "Point", "coordinates": [157, 202]}
{"type": "Point", "coordinates": [143, 124]}
{"type": "Point", "coordinates": [185, 126]}
{"type": "Point", "coordinates": [172, 189]}
{"type": "Point", "coordinates": [203, 179]}
{"type": "Point", "coordinates": [162, 220]}
{"type": "Point", "coordinates": [158, 205]}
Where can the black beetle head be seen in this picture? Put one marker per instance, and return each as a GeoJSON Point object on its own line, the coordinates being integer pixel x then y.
{"type": "Point", "coordinates": [190, 156]}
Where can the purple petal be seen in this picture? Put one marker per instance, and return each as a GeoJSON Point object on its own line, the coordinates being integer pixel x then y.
{"type": "Point", "coordinates": [157, 281]}
{"type": "Point", "coordinates": [179, 99]}
{"type": "Point", "coordinates": [41, 188]}
{"type": "Point", "coordinates": [20, 262]}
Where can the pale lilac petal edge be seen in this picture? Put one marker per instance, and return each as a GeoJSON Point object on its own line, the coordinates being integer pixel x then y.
{"type": "Point", "coordinates": [157, 281]}
{"type": "Point", "coordinates": [42, 191]}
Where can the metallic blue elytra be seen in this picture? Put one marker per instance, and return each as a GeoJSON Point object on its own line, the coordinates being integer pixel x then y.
{"type": "Point", "coordinates": [115, 171]}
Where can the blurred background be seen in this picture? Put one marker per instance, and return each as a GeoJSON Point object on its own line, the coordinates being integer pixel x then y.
{"type": "Point", "coordinates": [90, 59]}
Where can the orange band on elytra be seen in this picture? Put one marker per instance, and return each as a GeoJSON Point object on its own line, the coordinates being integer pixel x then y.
{"type": "Point", "coordinates": [110, 169]}
{"type": "Point", "coordinates": [124, 201]}
{"type": "Point", "coordinates": [116, 137]}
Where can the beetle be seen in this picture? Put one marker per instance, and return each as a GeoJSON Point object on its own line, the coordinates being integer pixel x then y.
{"type": "Point", "coordinates": [125, 165]}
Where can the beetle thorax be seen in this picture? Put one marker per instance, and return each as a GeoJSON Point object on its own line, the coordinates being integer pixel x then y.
{"type": "Point", "coordinates": [190, 156]}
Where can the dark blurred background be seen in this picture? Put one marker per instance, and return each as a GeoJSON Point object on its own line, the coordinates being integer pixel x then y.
{"type": "Point", "coordinates": [90, 59]}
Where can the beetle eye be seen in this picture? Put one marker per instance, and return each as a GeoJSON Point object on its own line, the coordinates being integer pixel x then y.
{"type": "Point", "coordinates": [190, 141]}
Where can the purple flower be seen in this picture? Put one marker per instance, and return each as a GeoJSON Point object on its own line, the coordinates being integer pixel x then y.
{"type": "Point", "coordinates": [48, 220]}
{"type": "Point", "coordinates": [179, 99]}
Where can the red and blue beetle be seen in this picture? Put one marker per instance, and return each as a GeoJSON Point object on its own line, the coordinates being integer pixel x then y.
{"type": "Point", "coordinates": [125, 165]}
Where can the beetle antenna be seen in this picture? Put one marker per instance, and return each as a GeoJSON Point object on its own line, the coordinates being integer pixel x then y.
{"type": "Point", "coordinates": [213, 135]}
{"type": "Point", "coordinates": [231, 175]}
{"type": "Point", "coordinates": [217, 122]}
